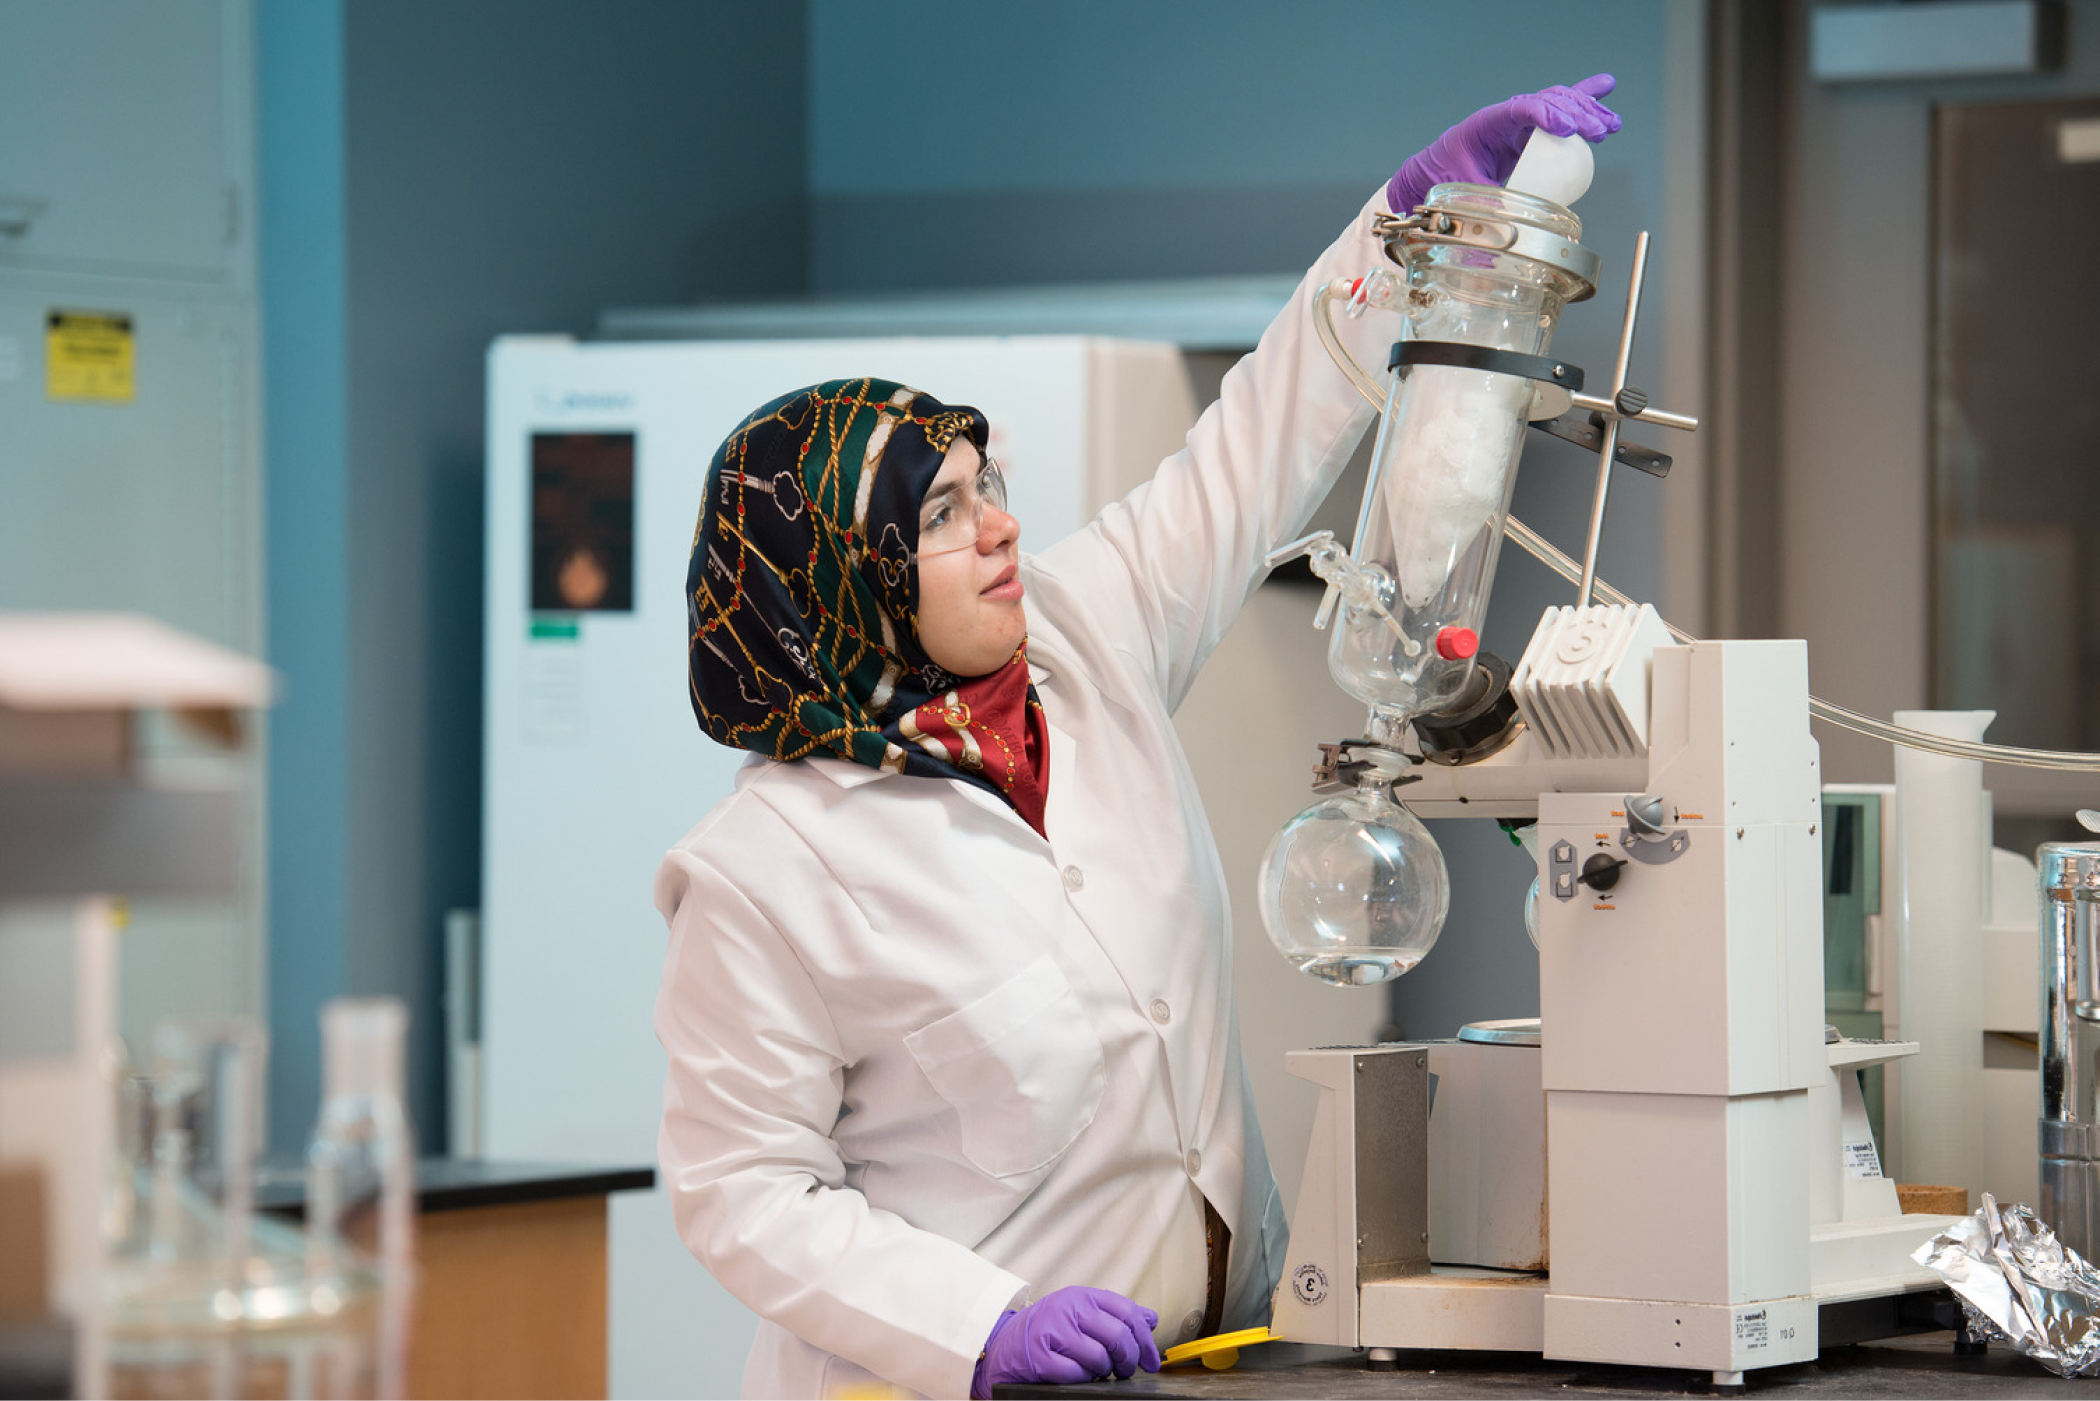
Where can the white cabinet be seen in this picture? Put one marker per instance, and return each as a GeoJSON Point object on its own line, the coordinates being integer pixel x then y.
{"type": "Point", "coordinates": [127, 149]}
{"type": "Point", "coordinates": [128, 161]}
{"type": "Point", "coordinates": [148, 505]}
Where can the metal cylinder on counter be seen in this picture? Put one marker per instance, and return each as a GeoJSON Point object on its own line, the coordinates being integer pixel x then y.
{"type": "Point", "coordinates": [2070, 1050]}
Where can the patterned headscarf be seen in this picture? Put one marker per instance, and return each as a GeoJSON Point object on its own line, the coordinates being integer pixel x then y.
{"type": "Point", "coordinates": [802, 598]}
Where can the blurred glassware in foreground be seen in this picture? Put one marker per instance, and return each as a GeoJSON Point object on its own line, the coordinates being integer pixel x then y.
{"type": "Point", "coordinates": [206, 1298]}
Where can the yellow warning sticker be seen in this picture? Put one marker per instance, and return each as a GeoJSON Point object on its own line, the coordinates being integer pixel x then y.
{"type": "Point", "coordinates": [89, 355]}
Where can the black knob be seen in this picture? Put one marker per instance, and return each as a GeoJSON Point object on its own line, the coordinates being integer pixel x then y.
{"type": "Point", "coordinates": [1600, 873]}
{"type": "Point", "coordinates": [1630, 401]}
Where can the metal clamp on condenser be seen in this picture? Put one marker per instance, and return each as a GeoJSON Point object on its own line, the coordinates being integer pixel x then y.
{"type": "Point", "coordinates": [1556, 382]}
{"type": "Point", "coordinates": [1428, 226]}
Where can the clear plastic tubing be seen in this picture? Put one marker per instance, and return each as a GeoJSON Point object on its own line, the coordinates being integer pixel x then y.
{"type": "Point", "coordinates": [362, 1162]}
{"type": "Point", "coordinates": [2077, 761]}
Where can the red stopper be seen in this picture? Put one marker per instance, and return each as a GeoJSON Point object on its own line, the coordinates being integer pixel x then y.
{"type": "Point", "coordinates": [1456, 644]}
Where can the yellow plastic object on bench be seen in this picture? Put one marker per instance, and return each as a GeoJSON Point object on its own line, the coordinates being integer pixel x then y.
{"type": "Point", "coordinates": [1219, 1353]}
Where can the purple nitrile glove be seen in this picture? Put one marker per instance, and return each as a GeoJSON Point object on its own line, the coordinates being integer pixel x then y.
{"type": "Point", "coordinates": [1073, 1335]}
{"type": "Point", "coordinates": [1483, 149]}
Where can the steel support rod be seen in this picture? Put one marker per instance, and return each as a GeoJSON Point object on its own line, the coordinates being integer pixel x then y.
{"type": "Point", "coordinates": [1611, 421]}
{"type": "Point", "coordinates": [1659, 417]}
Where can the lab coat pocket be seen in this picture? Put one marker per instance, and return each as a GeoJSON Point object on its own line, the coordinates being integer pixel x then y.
{"type": "Point", "coordinates": [1021, 1066]}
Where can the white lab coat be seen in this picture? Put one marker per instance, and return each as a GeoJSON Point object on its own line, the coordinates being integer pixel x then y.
{"type": "Point", "coordinates": [926, 1064]}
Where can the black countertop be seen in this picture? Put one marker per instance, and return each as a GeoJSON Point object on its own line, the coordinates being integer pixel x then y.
{"type": "Point", "coordinates": [1923, 1365]}
{"type": "Point", "coordinates": [453, 1184]}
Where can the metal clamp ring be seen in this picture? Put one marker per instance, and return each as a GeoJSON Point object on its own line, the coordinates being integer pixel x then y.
{"type": "Point", "coordinates": [1554, 381]}
{"type": "Point", "coordinates": [1429, 227]}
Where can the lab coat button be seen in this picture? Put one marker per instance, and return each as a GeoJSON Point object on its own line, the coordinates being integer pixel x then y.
{"type": "Point", "coordinates": [1161, 1012]}
{"type": "Point", "coordinates": [1074, 878]}
{"type": "Point", "coordinates": [1192, 1324]}
{"type": "Point", "coordinates": [1195, 1162]}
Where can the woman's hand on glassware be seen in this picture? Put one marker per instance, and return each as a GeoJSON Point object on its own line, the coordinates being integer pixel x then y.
{"type": "Point", "coordinates": [1483, 149]}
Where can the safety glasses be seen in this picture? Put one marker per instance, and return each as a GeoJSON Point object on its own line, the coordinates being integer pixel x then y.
{"type": "Point", "coordinates": [951, 518]}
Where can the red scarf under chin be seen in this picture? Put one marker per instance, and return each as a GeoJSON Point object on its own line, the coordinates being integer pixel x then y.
{"type": "Point", "coordinates": [992, 725]}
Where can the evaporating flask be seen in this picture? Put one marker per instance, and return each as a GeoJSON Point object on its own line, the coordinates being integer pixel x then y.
{"type": "Point", "coordinates": [1353, 890]}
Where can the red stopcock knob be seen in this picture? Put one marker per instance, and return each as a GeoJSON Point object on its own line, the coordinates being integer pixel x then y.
{"type": "Point", "coordinates": [1456, 644]}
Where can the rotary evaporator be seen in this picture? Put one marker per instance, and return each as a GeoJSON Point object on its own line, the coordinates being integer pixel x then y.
{"type": "Point", "coordinates": [1716, 1200]}
{"type": "Point", "coordinates": [1354, 890]}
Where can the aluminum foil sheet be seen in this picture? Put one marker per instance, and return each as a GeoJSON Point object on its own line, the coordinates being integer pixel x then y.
{"type": "Point", "coordinates": [2020, 1284]}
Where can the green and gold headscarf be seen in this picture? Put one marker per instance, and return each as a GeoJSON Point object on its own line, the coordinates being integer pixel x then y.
{"type": "Point", "coordinates": [802, 590]}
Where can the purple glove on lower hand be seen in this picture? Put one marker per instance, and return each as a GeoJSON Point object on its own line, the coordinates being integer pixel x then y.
{"type": "Point", "coordinates": [1073, 1335]}
{"type": "Point", "coordinates": [1483, 149]}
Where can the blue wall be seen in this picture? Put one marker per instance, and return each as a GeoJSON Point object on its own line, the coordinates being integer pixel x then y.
{"type": "Point", "coordinates": [299, 96]}
{"type": "Point", "coordinates": [435, 175]}
{"type": "Point", "coordinates": [985, 144]}
{"type": "Point", "coordinates": [1105, 94]}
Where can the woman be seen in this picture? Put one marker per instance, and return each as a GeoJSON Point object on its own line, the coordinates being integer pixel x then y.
{"type": "Point", "coordinates": [955, 1093]}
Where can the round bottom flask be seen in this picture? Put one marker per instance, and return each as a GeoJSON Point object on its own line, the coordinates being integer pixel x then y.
{"type": "Point", "coordinates": [1353, 889]}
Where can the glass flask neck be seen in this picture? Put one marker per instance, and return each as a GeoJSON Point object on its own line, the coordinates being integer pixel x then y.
{"type": "Point", "coordinates": [1386, 726]}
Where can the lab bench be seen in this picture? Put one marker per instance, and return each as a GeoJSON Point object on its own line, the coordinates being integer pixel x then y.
{"type": "Point", "coordinates": [512, 1272]}
{"type": "Point", "coordinates": [1922, 1365]}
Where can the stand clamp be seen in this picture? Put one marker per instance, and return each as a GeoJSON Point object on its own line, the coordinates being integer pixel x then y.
{"type": "Point", "coordinates": [1343, 764]}
{"type": "Point", "coordinates": [1555, 382]}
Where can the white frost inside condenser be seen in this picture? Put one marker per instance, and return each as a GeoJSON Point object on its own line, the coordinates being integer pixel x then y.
{"type": "Point", "coordinates": [1461, 429]}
